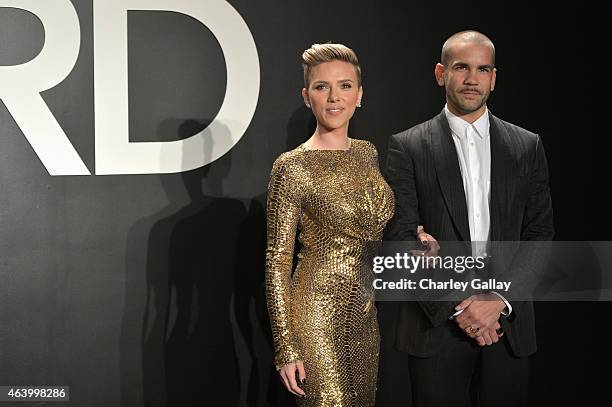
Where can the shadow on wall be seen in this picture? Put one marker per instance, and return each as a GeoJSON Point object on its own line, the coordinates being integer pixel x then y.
{"type": "Point", "coordinates": [195, 329]}
{"type": "Point", "coordinates": [300, 127]}
{"type": "Point", "coordinates": [260, 383]}
{"type": "Point", "coordinates": [177, 325]}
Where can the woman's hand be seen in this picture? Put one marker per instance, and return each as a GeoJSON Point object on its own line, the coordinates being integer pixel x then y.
{"type": "Point", "coordinates": [288, 376]}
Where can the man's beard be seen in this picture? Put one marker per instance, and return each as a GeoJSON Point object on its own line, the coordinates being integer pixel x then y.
{"type": "Point", "coordinates": [464, 108]}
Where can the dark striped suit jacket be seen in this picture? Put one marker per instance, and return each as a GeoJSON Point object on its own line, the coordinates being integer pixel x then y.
{"type": "Point", "coordinates": [423, 170]}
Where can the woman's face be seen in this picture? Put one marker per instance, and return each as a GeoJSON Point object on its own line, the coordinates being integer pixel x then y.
{"type": "Point", "coordinates": [333, 93]}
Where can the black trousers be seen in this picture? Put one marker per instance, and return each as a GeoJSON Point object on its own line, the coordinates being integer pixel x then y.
{"type": "Point", "coordinates": [464, 374]}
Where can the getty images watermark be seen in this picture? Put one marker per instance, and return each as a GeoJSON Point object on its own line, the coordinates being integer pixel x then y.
{"type": "Point", "coordinates": [518, 270]}
{"type": "Point", "coordinates": [413, 263]}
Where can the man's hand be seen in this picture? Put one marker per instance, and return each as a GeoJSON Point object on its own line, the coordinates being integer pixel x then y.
{"type": "Point", "coordinates": [480, 315]}
{"type": "Point", "coordinates": [489, 336]}
{"type": "Point", "coordinates": [429, 244]}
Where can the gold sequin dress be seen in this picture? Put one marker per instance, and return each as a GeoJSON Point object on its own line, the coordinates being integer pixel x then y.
{"type": "Point", "coordinates": [323, 313]}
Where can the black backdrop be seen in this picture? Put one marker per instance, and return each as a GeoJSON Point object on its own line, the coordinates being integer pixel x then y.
{"type": "Point", "coordinates": [146, 290]}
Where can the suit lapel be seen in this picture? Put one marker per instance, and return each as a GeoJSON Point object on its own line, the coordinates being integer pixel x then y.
{"type": "Point", "coordinates": [449, 174]}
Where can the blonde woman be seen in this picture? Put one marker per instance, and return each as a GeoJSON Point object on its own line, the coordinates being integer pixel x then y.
{"type": "Point", "coordinates": [330, 190]}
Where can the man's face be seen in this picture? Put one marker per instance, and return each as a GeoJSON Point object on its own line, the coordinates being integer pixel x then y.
{"type": "Point", "coordinates": [469, 77]}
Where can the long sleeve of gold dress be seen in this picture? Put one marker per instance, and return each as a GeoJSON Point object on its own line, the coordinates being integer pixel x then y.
{"type": "Point", "coordinates": [323, 312]}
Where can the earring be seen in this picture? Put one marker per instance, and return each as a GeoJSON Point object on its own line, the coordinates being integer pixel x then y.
{"type": "Point", "coordinates": [307, 105]}
{"type": "Point", "coordinates": [359, 104]}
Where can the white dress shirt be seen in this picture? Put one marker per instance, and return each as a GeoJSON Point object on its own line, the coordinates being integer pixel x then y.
{"type": "Point", "coordinates": [473, 145]}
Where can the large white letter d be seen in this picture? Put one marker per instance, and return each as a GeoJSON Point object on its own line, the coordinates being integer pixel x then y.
{"type": "Point", "coordinates": [115, 154]}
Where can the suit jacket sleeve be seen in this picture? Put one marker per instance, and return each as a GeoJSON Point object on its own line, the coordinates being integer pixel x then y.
{"type": "Point", "coordinates": [400, 174]}
{"type": "Point", "coordinates": [538, 218]}
{"type": "Point", "coordinates": [537, 230]}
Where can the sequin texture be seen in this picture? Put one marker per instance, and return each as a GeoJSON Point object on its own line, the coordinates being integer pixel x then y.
{"type": "Point", "coordinates": [323, 312]}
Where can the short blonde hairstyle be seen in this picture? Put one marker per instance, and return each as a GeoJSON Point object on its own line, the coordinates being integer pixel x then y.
{"type": "Point", "coordinates": [319, 53]}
